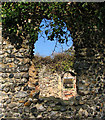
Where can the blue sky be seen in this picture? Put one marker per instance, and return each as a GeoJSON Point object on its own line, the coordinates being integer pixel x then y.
{"type": "Point", "coordinates": [45, 47]}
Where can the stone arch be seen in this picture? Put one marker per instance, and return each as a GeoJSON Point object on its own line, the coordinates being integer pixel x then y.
{"type": "Point", "coordinates": [14, 66]}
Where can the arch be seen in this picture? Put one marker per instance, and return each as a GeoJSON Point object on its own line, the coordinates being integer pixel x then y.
{"type": "Point", "coordinates": [68, 83]}
{"type": "Point", "coordinates": [89, 66]}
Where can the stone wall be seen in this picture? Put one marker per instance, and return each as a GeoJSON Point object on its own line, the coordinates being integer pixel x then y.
{"type": "Point", "coordinates": [51, 84]}
{"type": "Point", "coordinates": [13, 78]}
{"type": "Point", "coordinates": [20, 95]}
{"type": "Point", "coordinates": [20, 99]}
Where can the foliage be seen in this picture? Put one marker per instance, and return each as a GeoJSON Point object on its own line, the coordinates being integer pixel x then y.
{"type": "Point", "coordinates": [23, 19]}
{"type": "Point", "coordinates": [60, 61]}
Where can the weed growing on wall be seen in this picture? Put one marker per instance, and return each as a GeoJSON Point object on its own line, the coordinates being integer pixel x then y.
{"type": "Point", "coordinates": [58, 63]}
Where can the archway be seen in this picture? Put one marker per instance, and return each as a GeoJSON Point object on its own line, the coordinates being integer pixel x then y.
{"type": "Point", "coordinates": [45, 47]}
{"type": "Point", "coordinates": [44, 72]}
{"type": "Point", "coordinates": [89, 66]}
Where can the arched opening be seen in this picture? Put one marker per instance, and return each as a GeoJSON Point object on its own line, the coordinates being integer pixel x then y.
{"type": "Point", "coordinates": [44, 47]}
{"type": "Point", "coordinates": [68, 85]}
{"type": "Point", "coordinates": [48, 56]}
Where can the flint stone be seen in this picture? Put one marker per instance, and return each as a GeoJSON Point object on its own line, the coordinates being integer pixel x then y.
{"type": "Point", "coordinates": [83, 112]}
{"type": "Point", "coordinates": [19, 55]}
{"type": "Point", "coordinates": [1, 52]}
{"type": "Point", "coordinates": [8, 101]}
{"type": "Point", "coordinates": [0, 105]}
{"type": "Point", "coordinates": [39, 116]}
{"type": "Point", "coordinates": [57, 108]}
{"type": "Point", "coordinates": [9, 51]}
{"type": "Point", "coordinates": [16, 114]}
{"type": "Point", "coordinates": [9, 61]}
{"type": "Point", "coordinates": [52, 105]}
{"type": "Point", "coordinates": [53, 113]}
{"type": "Point", "coordinates": [6, 89]}
{"type": "Point", "coordinates": [40, 107]}
{"type": "Point", "coordinates": [26, 88]}
{"type": "Point", "coordinates": [23, 68]}
{"type": "Point", "coordinates": [0, 110]}
{"type": "Point", "coordinates": [33, 109]}
{"type": "Point", "coordinates": [26, 75]}
{"type": "Point", "coordinates": [11, 56]}
{"type": "Point", "coordinates": [24, 80]}
{"type": "Point", "coordinates": [12, 105]}
{"type": "Point", "coordinates": [3, 95]}
{"type": "Point", "coordinates": [1, 115]}
{"type": "Point", "coordinates": [21, 94]}
{"type": "Point", "coordinates": [3, 101]}
{"type": "Point", "coordinates": [17, 75]}
{"type": "Point", "coordinates": [4, 61]}
{"type": "Point", "coordinates": [1, 60]}
{"type": "Point", "coordinates": [15, 110]}
{"type": "Point", "coordinates": [20, 104]}
{"type": "Point", "coordinates": [2, 82]}
{"type": "Point", "coordinates": [4, 75]}
{"type": "Point", "coordinates": [26, 109]}
{"type": "Point", "coordinates": [10, 47]}
{"type": "Point", "coordinates": [20, 110]}
{"type": "Point", "coordinates": [63, 109]}
{"type": "Point", "coordinates": [16, 61]}
{"type": "Point", "coordinates": [81, 88]}
{"type": "Point", "coordinates": [11, 75]}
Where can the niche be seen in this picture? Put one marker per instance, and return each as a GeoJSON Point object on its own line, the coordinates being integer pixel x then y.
{"type": "Point", "coordinates": [68, 85]}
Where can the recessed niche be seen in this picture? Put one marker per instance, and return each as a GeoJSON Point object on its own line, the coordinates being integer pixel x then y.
{"type": "Point", "coordinates": [68, 83]}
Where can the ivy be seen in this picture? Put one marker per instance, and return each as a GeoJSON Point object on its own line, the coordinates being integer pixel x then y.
{"type": "Point", "coordinates": [78, 17]}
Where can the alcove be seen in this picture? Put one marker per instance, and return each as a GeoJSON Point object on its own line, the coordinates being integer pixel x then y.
{"type": "Point", "coordinates": [68, 83]}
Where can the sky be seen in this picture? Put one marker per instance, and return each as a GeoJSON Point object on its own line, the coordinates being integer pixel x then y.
{"type": "Point", "coordinates": [46, 47]}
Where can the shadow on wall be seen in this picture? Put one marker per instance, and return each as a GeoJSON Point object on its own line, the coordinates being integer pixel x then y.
{"type": "Point", "coordinates": [50, 96]}
{"type": "Point", "coordinates": [51, 108]}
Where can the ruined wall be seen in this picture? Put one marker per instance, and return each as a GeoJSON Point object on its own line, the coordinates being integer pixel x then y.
{"type": "Point", "coordinates": [21, 100]}
{"type": "Point", "coordinates": [52, 84]}
{"type": "Point", "coordinates": [89, 66]}
{"type": "Point", "coordinates": [49, 83]}
{"type": "Point", "coordinates": [14, 67]}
